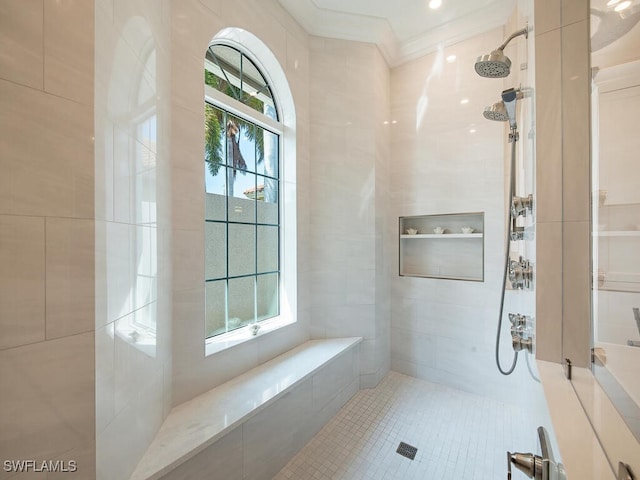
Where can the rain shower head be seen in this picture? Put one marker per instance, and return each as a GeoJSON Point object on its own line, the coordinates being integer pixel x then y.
{"type": "Point", "coordinates": [496, 112]}
{"type": "Point", "coordinates": [494, 65]}
{"type": "Point", "coordinates": [497, 64]}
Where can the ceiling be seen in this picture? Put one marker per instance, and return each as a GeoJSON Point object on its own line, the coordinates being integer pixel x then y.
{"type": "Point", "coordinates": [402, 29]}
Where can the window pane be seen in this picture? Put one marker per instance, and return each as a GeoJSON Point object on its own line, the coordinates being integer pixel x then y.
{"type": "Point", "coordinates": [270, 145]}
{"type": "Point", "coordinates": [215, 206]}
{"type": "Point", "coordinates": [146, 266]}
{"type": "Point", "coordinates": [241, 301]}
{"type": "Point", "coordinates": [145, 197]}
{"type": "Point", "coordinates": [146, 135]}
{"type": "Point", "coordinates": [267, 249]}
{"type": "Point", "coordinates": [267, 295]}
{"type": "Point", "coordinates": [233, 74]}
{"type": "Point", "coordinates": [241, 144]}
{"type": "Point", "coordinates": [224, 73]}
{"type": "Point", "coordinates": [254, 85]}
{"type": "Point", "coordinates": [215, 137]}
{"type": "Point", "coordinates": [215, 310]}
{"type": "Point", "coordinates": [215, 255]}
{"type": "Point", "coordinates": [268, 207]}
{"type": "Point", "coordinates": [146, 316]}
{"type": "Point", "coordinates": [270, 109]}
{"type": "Point", "coordinates": [242, 250]}
{"type": "Point", "coordinates": [242, 206]}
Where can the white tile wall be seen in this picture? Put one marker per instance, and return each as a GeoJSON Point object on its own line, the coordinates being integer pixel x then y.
{"type": "Point", "coordinates": [21, 39]}
{"type": "Point", "coordinates": [22, 304]}
{"type": "Point", "coordinates": [223, 459]}
{"type": "Point", "coordinates": [68, 52]}
{"type": "Point", "coordinates": [351, 240]}
{"type": "Point", "coordinates": [69, 273]}
{"type": "Point", "coordinates": [447, 159]}
{"type": "Point", "coordinates": [47, 406]}
{"type": "Point", "coordinates": [132, 252]}
{"type": "Point", "coordinates": [264, 457]}
{"type": "Point", "coordinates": [52, 176]}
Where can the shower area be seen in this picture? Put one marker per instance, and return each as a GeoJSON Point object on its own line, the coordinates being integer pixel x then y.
{"type": "Point", "coordinates": [446, 365]}
{"type": "Point", "coordinates": [463, 387]}
{"type": "Point", "coordinates": [439, 232]}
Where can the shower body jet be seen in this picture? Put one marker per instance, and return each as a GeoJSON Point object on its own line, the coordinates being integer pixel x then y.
{"type": "Point", "coordinates": [497, 64]}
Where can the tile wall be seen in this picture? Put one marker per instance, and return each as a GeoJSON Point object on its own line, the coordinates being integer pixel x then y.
{"type": "Point", "coordinates": [563, 180]}
{"type": "Point", "coordinates": [447, 158]}
{"type": "Point", "coordinates": [132, 231]}
{"type": "Point", "coordinates": [47, 233]}
{"type": "Point", "coordinates": [351, 254]}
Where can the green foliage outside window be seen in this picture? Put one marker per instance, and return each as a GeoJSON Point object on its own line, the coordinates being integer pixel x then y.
{"type": "Point", "coordinates": [214, 121]}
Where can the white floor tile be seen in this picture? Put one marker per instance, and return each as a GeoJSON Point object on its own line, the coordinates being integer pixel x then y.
{"type": "Point", "coordinates": [457, 434]}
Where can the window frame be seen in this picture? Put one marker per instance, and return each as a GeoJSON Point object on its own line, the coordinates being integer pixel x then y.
{"type": "Point", "coordinates": [287, 277]}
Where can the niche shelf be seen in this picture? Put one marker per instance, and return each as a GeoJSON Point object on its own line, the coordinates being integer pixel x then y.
{"type": "Point", "coordinates": [452, 255]}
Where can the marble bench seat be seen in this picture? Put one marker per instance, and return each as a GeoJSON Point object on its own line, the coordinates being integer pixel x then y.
{"type": "Point", "coordinates": [317, 370]}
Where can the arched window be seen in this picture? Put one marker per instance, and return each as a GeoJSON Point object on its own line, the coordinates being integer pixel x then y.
{"type": "Point", "coordinates": [242, 162]}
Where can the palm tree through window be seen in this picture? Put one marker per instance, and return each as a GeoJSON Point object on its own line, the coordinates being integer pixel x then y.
{"type": "Point", "coordinates": [242, 184]}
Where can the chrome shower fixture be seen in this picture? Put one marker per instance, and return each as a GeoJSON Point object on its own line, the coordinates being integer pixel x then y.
{"type": "Point", "coordinates": [496, 112]}
{"type": "Point", "coordinates": [510, 97]}
{"type": "Point", "coordinates": [538, 467]}
{"type": "Point", "coordinates": [499, 111]}
{"type": "Point", "coordinates": [521, 205]}
{"type": "Point", "coordinates": [497, 64]}
{"type": "Point", "coordinates": [521, 338]}
{"type": "Point", "coordinates": [520, 343]}
{"type": "Point", "coordinates": [517, 233]}
{"type": "Point", "coordinates": [520, 324]}
{"type": "Point", "coordinates": [520, 274]}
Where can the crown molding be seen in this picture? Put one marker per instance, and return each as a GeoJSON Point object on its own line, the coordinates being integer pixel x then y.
{"type": "Point", "coordinates": [344, 26]}
{"type": "Point", "coordinates": [324, 22]}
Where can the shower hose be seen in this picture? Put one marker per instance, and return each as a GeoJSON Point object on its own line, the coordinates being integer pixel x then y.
{"type": "Point", "coordinates": [513, 137]}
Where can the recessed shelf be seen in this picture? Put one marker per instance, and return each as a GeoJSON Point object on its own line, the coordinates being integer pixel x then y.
{"type": "Point", "coordinates": [443, 235]}
{"type": "Point", "coordinates": [451, 255]}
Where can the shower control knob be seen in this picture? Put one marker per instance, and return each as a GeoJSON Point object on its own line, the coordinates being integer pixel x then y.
{"type": "Point", "coordinates": [520, 324]}
{"type": "Point", "coordinates": [521, 205]}
{"type": "Point", "coordinates": [517, 234]}
{"type": "Point", "coordinates": [520, 274]}
{"type": "Point", "coordinates": [519, 343]}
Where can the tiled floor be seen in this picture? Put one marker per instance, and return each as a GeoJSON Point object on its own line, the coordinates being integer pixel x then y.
{"type": "Point", "coordinates": [458, 436]}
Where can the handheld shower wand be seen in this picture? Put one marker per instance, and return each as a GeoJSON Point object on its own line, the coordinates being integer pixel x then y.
{"type": "Point", "coordinates": [509, 97]}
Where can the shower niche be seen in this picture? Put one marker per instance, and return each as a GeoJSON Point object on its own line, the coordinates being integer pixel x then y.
{"type": "Point", "coordinates": [447, 246]}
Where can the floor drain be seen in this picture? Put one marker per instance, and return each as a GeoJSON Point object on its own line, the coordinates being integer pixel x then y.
{"type": "Point", "coordinates": [407, 450]}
